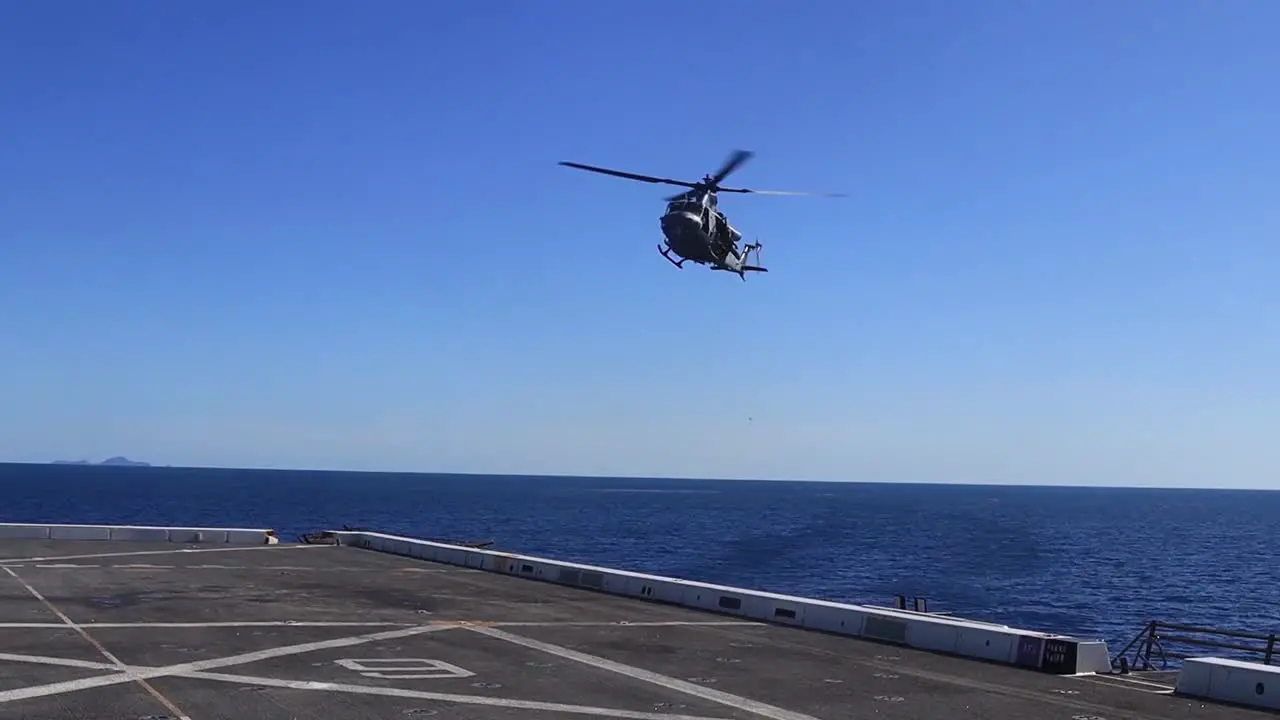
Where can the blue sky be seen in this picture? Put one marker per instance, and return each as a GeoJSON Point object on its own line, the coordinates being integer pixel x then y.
{"type": "Point", "coordinates": [334, 234]}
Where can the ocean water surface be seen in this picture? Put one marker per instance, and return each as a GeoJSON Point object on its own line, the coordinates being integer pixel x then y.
{"type": "Point", "coordinates": [1091, 561]}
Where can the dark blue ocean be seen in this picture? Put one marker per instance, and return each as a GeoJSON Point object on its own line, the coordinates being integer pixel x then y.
{"type": "Point", "coordinates": [1076, 560]}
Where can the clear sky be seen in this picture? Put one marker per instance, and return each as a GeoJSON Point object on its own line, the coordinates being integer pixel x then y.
{"type": "Point", "coordinates": [333, 234]}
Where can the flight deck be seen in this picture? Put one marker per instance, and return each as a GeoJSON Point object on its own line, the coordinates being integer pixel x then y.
{"type": "Point", "coordinates": [175, 631]}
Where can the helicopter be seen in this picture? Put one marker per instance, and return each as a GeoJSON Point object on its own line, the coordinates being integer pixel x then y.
{"type": "Point", "coordinates": [693, 226]}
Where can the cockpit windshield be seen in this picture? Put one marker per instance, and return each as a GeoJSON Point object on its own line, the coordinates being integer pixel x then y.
{"type": "Point", "coordinates": [686, 202]}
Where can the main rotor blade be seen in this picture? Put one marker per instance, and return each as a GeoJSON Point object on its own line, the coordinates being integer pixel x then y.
{"type": "Point", "coordinates": [733, 163]}
{"type": "Point", "coordinates": [627, 175]}
{"type": "Point", "coordinates": [780, 192]}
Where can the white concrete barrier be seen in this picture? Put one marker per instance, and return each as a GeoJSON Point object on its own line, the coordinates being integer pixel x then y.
{"type": "Point", "coordinates": [137, 533]}
{"type": "Point", "coordinates": [1230, 681]}
{"type": "Point", "coordinates": [1056, 654]}
{"type": "Point", "coordinates": [24, 532]}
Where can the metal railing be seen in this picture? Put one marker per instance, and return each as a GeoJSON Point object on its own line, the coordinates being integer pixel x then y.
{"type": "Point", "coordinates": [918, 604]}
{"type": "Point", "coordinates": [1160, 642]}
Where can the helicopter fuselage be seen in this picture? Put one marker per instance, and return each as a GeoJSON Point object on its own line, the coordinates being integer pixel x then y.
{"type": "Point", "coordinates": [685, 235]}
{"type": "Point", "coordinates": [695, 229]}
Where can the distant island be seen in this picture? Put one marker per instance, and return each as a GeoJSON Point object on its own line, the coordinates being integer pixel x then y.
{"type": "Point", "coordinates": [117, 460]}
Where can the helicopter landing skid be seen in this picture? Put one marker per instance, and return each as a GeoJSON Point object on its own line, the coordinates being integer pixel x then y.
{"type": "Point", "coordinates": [664, 252]}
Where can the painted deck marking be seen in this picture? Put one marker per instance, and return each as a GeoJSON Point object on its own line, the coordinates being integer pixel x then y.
{"type": "Point", "coordinates": [724, 698]}
{"type": "Point", "coordinates": [1128, 683]}
{"type": "Point", "coordinates": [63, 662]}
{"type": "Point", "coordinates": [166, 702]}
{"type": "Point", "coordinates": [252, 568]}
{"type": "Point", "coordinates": [440, 697]}
{"type": "Point", "coordinates": [132, 673]}
{"type": "Point", "coordinates": [1132, 681]}
{"type": "Point", "coordinates": [202, 670]}
{"type": "Point", "coordinates": [133, 553]}
{"type": "Point", "coordinates": [404, 668]}
{"type": "Point", "coordinates": [629, 623]}
{"type": "Point", "coordinates": [320, 624]}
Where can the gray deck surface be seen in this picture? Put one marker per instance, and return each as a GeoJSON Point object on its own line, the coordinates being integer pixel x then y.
{"type": "Point", "coordinates": [131, 630]}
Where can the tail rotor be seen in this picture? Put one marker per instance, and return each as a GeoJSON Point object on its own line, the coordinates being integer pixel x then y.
{"type": "Point", "coordinates": [746, 259]}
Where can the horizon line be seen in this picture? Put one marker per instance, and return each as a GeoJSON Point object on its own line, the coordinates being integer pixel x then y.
{"type": "Point", "coordinates": [678, 478]}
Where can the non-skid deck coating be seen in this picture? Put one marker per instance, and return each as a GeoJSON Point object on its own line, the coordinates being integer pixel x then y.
{"type": "Point", "coordinates": [131, 631]}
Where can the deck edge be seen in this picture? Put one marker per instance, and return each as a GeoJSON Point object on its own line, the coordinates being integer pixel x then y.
{"type": "Point", "coordinates": [138, 533]}
{"type": "Point", "coordinates": [1046, 652]}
